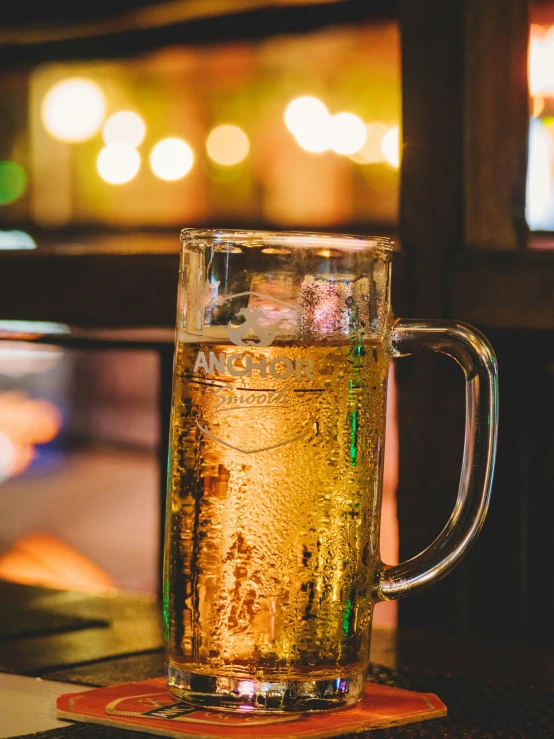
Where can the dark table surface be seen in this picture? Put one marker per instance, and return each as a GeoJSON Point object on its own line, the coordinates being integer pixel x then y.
{"type": "Point", "coordinates": [491, 690]}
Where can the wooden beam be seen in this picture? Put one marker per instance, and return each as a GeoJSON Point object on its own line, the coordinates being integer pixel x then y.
{"type": "Point", "coordinates": [430, 411]}
{"type": "Point", "coordinates": [513, 290]}
{"type": "Point", "coordinates": [97, 290]}
{"type": "Point", "coordinates": [431, 195]}
{"type": "Point", "coordinates": [496, 122]}
{"type": "Point", "coordinates": [463, 183]}
{"type": "Point", "coordinates": [500, 290]}
{"type": "Point", "coordinates": [24, 29]}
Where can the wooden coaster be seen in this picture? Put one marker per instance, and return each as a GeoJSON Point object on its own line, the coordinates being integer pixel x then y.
{"type": "Point", "coordinates": [148, 707]}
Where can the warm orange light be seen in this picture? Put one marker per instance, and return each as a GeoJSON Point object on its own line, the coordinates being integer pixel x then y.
{"type": "Point", "coordinates": [29, 421]}
{"type": "Point", "coordinates": [118, 163]}
{"type": "Point", "coordinates": [41, 559]}
{"type": "Point", "coordinates": [73, 109]}
{"type": "Point", "coordinates": [304, 112]}
{"type": "Point", "coordinates": [7, 456]}
{"type": "Point", "coordinates": [538, 106]}
{"type": "Point", "coordinates": [347, 133]}
{"type": "Point", "coordinates": [47, 421]}
{"type": "Point", "coordinates": [24, 455]}
{"type": "Point", "coordinates": [124, 126]}
{"type": "Point", "coordinates": [541, 61]}
{"type": "Point", "coordinates": [328, 253]}
{"type": "Point", "coordinates": [15, 456]}
{"type": "Point", "coordinates": [391, 146]}
{"type": "Point", "coordinates": [371, 152]}
{"type": "Point", "coordinates": [24, 422]}
{"type": "Point", "coordinates": [227, 145]}
{"type": "Point", "coordinates": [171, 159]}
{"type": "Point", "coordinates": [308, 119]}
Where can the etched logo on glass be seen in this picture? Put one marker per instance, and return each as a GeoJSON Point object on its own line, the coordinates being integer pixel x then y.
{"type": "Point", "coordinates": [257, 377]}
{"type": "Point", "coordinates": [263, 336]}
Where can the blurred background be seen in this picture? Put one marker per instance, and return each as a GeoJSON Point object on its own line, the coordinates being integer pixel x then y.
{"type": "Point", "coordinates": [281, 132]}
{"type": "Point", "coordinates": [112, 141]}
{"type": "Point", "coordinates": [201, 135]}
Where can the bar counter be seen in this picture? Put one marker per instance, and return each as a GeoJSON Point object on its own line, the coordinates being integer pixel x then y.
{"type": "Point", "coordinates": [491, 690]}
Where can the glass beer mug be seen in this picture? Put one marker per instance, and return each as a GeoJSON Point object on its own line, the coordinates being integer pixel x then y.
{"type": "Point", "coordinates": [272, 563]}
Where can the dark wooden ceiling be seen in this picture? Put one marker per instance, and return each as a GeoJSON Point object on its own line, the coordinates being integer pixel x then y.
{"type": "Point", "coordinates": [55, 12]}
{"type": "Point", "coordinates": [53, 31]}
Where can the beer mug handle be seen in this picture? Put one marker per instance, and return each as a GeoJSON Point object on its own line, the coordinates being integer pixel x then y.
{"type": "Point", "coordinates": [475, 356]}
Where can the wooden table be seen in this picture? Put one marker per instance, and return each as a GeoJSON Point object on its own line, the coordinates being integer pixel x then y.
{"type": "Point", "coordinates": [94, 640]}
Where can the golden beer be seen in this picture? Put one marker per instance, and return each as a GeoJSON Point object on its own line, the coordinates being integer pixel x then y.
{"type": "Point", "coordinates": [272, 562]}
{"type": "Point", "coordinates": [274, 482]}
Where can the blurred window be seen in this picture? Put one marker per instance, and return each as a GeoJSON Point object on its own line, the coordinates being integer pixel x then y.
{"type": "Point", "coordinates": [198, 135]}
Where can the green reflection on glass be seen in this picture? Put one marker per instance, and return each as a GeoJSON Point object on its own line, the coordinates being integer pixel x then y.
{"type": "Point", "coordinates": [353, 438]}
{"type": "Point", "coordinates": [166, 609]}
{"type": "Point", "coordinates": [356, 353]}
{"type": "Point", "coordinates": [346, 620]}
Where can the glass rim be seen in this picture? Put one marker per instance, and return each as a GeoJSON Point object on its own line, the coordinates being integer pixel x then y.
{"type": "Point", "coordinates": [291, 239]}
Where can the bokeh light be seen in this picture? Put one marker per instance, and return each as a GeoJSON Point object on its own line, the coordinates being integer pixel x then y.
{"type": "Point", "coordinates": [118, 163]}
{"type": "Point", "coordinates": [124, 126]}
{"type": "Point", "coordinates": [8, 456]}
{"type": "Point", "coordinates": [308, 119]}
{"type": "Point", "coordinates": [227, 145]}
{"type": "Point", "coordinates": [20, 358]}
{"type": "Point", "coordinates": [304, 112]}
{"type": "Point", "coordinates": [73, 109]}
{"type": "Point", "coordinates": [31, 420]}
{"type": "Point", "coordinates": [328, 253]}
{"type": "Point", "coordinates": [276, 250]}
{"type": "Point", "coordinates": [539, 209]}
{"type": "Point", "coordinates": [16, 240]}
{"type": "Point", "coordinates": [348, 133]}
{"type": "Point", "coordinates": [13, 180]}
{"type": "Point", "coordinates": [371, 152]}
{"type": "Point", "coordinates": [171, 159]}
{"type": "Point", "coordinates": [390, 146]}
{"type": "Point", "coordinates": [29, 329]}
{"type": "Point", "coordinates": [538, 103]}
{"type": "Point", "coordinates": [24, 422]}
{"type": "Point", "coordinates": [541, 61]}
